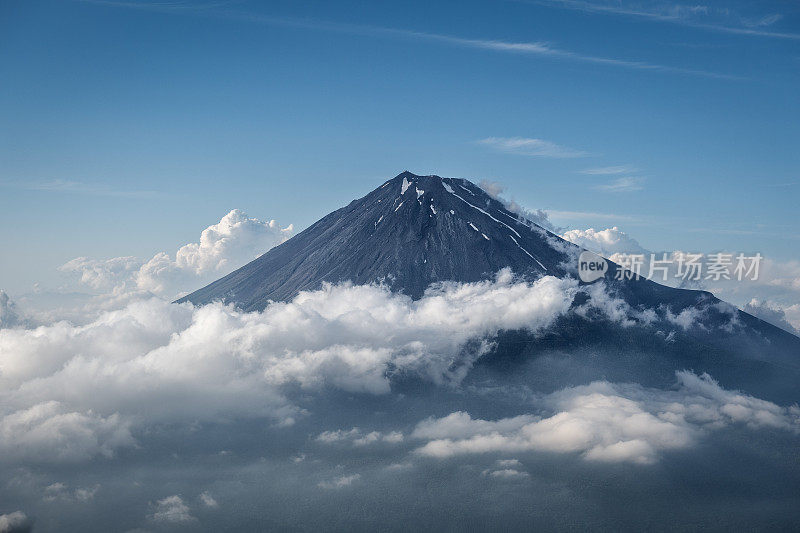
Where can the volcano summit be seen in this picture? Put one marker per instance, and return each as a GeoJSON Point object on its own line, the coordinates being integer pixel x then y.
{"type": "Point", "coordinates": [408, 233]}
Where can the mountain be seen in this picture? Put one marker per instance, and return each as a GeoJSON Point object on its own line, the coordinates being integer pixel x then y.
{"type": "Point", "coordinates": [413, 231]}
{"type": "Point", "coordinates": [408, 233]}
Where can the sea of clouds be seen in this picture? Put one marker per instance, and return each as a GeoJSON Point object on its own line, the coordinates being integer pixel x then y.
{"type": "Point", "coordinates": [181, 417]}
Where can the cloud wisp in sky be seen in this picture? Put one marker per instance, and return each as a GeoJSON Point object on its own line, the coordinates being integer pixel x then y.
{"type": "Point", "coordinates": [531, 147]}
{"type": "Point", "coordinates": [622, 184]}
{"type": "Point", "coordinates": [693, 16]}
{"type": "Point", "coordinates": [609, 171]}
{"type": "Point", "coordinates": [547, 50]}
{"type": "Point", "coordinates": [534, 48]}
{"type": "Point", "coordinates": [78, 187]}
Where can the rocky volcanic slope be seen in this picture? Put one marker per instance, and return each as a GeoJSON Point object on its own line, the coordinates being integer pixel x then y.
{"type": "Point", "coordinates": [408, 233]}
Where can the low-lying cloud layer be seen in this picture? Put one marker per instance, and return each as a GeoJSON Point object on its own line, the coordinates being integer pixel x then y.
{"type": "Point", "coordinates": [73, 392]}
{"type": "Point", "coordinates": [608, 422]}
{"type": "Point", "coordinates": [178, 417]}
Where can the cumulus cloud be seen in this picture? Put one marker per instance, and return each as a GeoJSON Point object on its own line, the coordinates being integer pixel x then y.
{"type": "Point", "coordinates": [605, 242]}
{"type": "Point", "coordinates": [223, 247]}
{"type": "Point", "coordinates": [72, 392]}
{"type": "Point", "coordinates": [172, 509]}
{"type": "Point", "coordinates": [357, 437]}
{"type": "Point", "coordinates": [85, 494]}
{"type": "Point", "coordinates": [506, 473]}
{"type": "Point", "coordinates": [8, 313]}
{"type": "Point", "coordinates": [607, 422]}
{"type": "Point", "coordinates": [339, 482]}
{"type": "Point", "coordinates": [103, 274]}
{"type": "Point", "coordinates": [60, 491]}
{"type": "Point", "coordinates": [16, 522]}
{"type": "Point", "coordinates": [208, 500]}
{"type": "Point", "coordinates": [48, 431]}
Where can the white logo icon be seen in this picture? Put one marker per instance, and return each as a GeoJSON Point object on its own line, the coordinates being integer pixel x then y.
{"type": "Point", "coordinates": [591, 267]}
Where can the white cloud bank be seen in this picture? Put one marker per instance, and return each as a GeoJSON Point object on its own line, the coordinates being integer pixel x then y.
{"type": "Point", "coordinates": [608, 423]}
{"type": "Point", "coordinates": [223, 247]}
{"type": "Point", "coordinates": [68, 393]}
{"type": "Point", "coordinates": [14, 522]}
{"type": "Point", "coordinates": [72, 392]}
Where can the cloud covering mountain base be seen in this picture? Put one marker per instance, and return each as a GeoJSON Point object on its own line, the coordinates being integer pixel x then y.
{"type": "Point", "coordinates": [326, 411]}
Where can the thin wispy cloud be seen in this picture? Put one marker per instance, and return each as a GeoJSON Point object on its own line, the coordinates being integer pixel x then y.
{"type": "Point", "coordinates": [764, 21]}
{"type": "Point", "coordinates": [531, 147]}
{"type": "Point", "coordinates": [609, 171]}
{"type": "Point", "coordinates": [685, 15]}
{"type": "Point", "coordinates": [163, 6]}
{"type": "Point", "coordinates": [545, 49]}
{"type": "Point", "coordinates": [536, 48]}
{"type": "Point", "coordinates": [623, 184]}
{"type": "Point", "coordinates": [78, 187]}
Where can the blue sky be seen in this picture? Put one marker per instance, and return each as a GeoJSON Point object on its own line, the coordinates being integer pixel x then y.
{"type": "Point", "coordinates": [129, 127]}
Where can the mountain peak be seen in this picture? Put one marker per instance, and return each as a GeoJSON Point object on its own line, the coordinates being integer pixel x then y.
{"type": "Point", "coordinates": [408, 233]}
